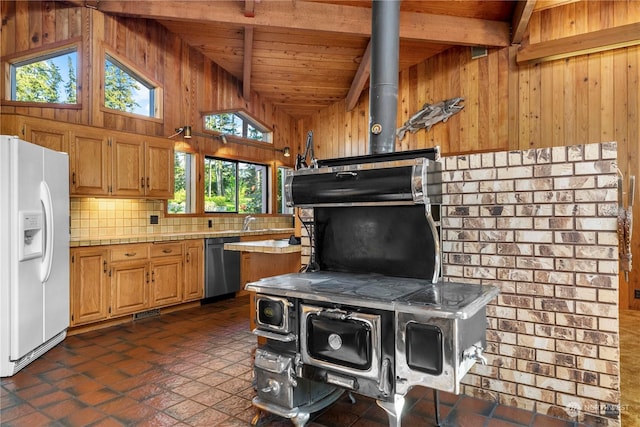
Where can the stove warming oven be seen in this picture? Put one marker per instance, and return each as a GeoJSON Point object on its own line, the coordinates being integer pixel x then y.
{"type": "Point", "coordinates": [370, 314]}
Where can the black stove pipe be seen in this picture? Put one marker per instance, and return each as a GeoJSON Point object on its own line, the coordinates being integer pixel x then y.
{"type": "Point", "coordinates": [383, 89]}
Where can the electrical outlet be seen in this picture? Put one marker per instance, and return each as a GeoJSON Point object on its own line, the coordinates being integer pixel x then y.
{"type": "Point", "coordinates": [210, 223]}
{"type": "Point", "coordinates": [636, 293]}
{"type": "Point", "coordinates": [153, 219]}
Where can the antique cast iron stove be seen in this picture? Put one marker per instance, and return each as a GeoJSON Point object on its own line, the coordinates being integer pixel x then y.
{"type": "Point", "coordinates": [370, 314]}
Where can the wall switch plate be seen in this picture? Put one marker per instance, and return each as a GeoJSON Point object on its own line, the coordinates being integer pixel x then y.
{"type": "Point", "coordinates": [636, 293]}
{"type": "Point", "coordinates": [153, 219]}
{"type": "Point", "coordinates": [210, 223]}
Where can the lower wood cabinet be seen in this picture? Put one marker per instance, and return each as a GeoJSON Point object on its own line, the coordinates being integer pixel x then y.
{"type": "Point", "coordinates": [89, 285]}
{"type": "Point", "coordinates": [129, 287]}
{"type": "Point", "coordinates": [194, 270]}
{"type": "Point", "coordinates": [117, 280]}
{"type": "Point", "coordinates": [166, 281]}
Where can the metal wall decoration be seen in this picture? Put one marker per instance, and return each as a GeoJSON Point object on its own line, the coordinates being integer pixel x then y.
{"type": "Point", "coordinates": [430, 115]}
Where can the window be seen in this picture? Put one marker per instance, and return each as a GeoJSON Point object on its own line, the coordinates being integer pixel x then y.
{"type": "Point", "coordinates": [237, 187]}
{"type": "Point", "coordinates": [184, 200]}
{"type": "Point", "coordinates": [125, 90]}
{"type": "Point", "coordinates": [282, 203]}
{"type": "Point", "coordinates": [237, 123]}
{"type": "Point", "coordinates": [50, 78]}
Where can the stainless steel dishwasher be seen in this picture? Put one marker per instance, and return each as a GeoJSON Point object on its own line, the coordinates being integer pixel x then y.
{"type": "Point", "coordinates": [222, 268]}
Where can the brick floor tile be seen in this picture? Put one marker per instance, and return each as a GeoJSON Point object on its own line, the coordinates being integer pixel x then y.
{"type": "Point", "coordinates": [185, 409]}
{"type": "Point", "coordinates": [33, 419]}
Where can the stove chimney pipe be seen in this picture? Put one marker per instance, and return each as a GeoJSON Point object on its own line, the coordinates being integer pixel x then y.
{"type": "Point", "coordinates": [383, 90]}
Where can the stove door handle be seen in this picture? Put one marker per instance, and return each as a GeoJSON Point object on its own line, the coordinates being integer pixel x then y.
{"type": "Point", "coordinates": [334, 313]}
{"type": "Point", "coordinates": [346, 174]}
{"type": "Point", "coordinates": [384, 383]}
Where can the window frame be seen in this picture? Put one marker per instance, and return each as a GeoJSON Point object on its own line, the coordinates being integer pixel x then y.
{"type": "Point", "coordinates": [247, 119]}
{"type": "Point", "coordinates": [141, 76]}
{"type": "Point", "coordinates": [191, 183]}
{"type": "Point", "coordinates": [41, 54]}
{"type": "Point", "coordinates": [266, 186]}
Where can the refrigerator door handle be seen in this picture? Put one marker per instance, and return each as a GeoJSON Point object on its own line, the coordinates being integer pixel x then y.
{"type": "Point", "coordinates": [47, 204]}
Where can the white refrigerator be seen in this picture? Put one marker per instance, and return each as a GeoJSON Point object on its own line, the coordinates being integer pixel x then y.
{"type": "Point", "coordinates": [34, 252]}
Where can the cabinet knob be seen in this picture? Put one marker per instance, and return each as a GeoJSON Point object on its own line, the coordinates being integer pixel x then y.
{"type": "Point", "coordinates": [104, 266]}
{"type": "Point", "coordinates": [142, 182]}
{"type": "Point", "coordinates": [167, 251]}
{"type": "Point", "coordinates": [130, 253]}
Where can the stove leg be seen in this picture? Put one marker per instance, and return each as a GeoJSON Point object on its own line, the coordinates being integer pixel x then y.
{"type": "Point", "coordinates": [301, 419]}
{"type": "Point", "coordinates": [436, 403]}
{"type": "Point", "coordinates": [393, 410]}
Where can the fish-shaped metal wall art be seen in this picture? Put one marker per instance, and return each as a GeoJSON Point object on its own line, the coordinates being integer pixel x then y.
{"type": "Point", "coordinates": [430, 115]}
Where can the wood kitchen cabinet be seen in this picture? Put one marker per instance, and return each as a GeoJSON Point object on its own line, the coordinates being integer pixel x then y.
{"type": "Point", "coordinates": [89, 285]}
{"type": "Point", "coordinates": [127, 167]}
{"type": "Point", "coordinates": [142, 169]}
{"type": "Point", "coordinates": [129, 287]}
{"type": "Point", "coordinates": [89, 163]}
{"type": "Point", "coordinates": [113, 281]}
{"type": "Point", "coordinates": [159, 167]}
{"type": "Point", "coordinates": [103, 163]}
{"type": "Point", "coordinates": [166, 274]}
{"type": "Point", "coordinates": [45, 133]}
{"type": "Point", "coordinates": [54, 137]}
{"type": "Point", "coordinates": [130, 278]}
{"type": "Point", "coordinates": [194, 270]}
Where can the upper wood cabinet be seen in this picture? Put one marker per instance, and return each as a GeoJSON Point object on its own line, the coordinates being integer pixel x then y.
{"type": "Point", "coordinates": [142, 169]}
{"type": "Point", "coordinates": [159, 167]}
{"type": "Point", "coordinates": [55, 139]}
{"type": "Point", "coordinates": [103, 163]}
{"type": "Point", "coordinates": [127, 169]}
{"type": "Point", "coordinates": [89, 163]}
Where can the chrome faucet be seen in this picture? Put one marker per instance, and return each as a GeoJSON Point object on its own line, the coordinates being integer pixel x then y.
{"type": "Point", "coordinates": [247, 222]}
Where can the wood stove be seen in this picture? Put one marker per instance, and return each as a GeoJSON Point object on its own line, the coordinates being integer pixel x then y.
{"type": "Point", "coordinates": [370, 315]}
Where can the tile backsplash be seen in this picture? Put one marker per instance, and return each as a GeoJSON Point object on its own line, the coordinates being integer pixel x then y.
{"type": "Point", "coordinates": [541, 225]}
{"type": "Point", "coordinates": [118, 218]}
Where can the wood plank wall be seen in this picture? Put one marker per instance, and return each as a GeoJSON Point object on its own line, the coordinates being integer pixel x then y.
{"type": "Point", "coordinates": [192, 85]}
{"type": "Point", "coordinates": [583, 99]}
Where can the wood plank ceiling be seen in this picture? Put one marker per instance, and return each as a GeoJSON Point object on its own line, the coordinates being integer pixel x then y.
{"type": "Point", "coordinates": [305, 55]}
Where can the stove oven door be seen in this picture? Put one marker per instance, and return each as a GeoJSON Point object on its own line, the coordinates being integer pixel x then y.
{"type": "Point", "coordinates": [275, 317]}
{"type": "Point", "coordinates": [436, 352]}
{"type": "Point", "coordinates": [341, 341]}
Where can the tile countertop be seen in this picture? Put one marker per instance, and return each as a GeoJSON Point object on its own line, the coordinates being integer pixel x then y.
{"type": "Point", "coordinates": [163, 237]}
{"type": "Point", "coordinates": [264, 246]}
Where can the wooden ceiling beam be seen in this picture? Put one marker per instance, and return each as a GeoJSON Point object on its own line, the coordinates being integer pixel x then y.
{"type": "Point", "coordinates": [520, 20]}
{"type": "Point", "coordinates": [581, 44]}
{"type": "Point", "coordinates": [332, 18]}
{"type": "Point", "coordinates": [360, 79]}
{"type": "Point", "coordinates": [246, 67]}
{"type": "Point", "coordinates": [249, 8]}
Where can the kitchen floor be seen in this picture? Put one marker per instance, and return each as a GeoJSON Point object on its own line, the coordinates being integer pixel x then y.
{"type": "Point", "coordinates": [194, 368]}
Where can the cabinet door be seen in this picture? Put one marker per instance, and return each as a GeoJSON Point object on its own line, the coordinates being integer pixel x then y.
{"type": "Point", "coordinates": [160, 170]}
{"type": "Point", "coordinates": [128, 168]}
{"type": "Point", "coordinates": [89, 161]}
{"type": "Point", "coordinates": [89, 285]}
{"type": "Point", "coordinates": [166, 281]}
{"type": "Point", "coordinates": [194, 270]}
{"type": "Point", "coordinates": [129, 287]}
{"type": "Point", "coordinates": [57, 140]}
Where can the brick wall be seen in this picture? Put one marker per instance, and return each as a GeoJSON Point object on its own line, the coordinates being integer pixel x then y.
{"type": "Point", "coordinates": [541, 225]}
